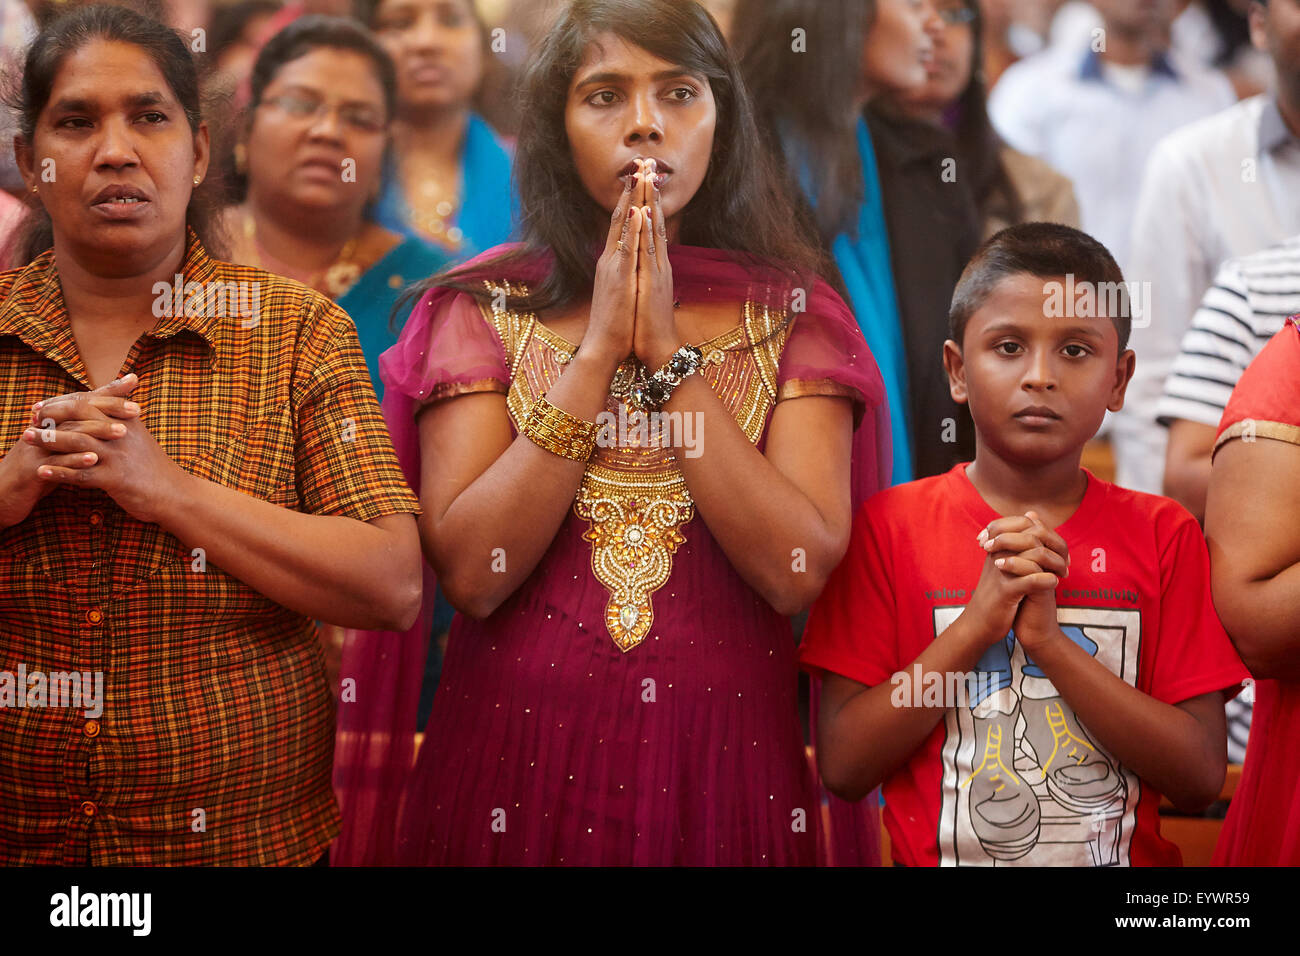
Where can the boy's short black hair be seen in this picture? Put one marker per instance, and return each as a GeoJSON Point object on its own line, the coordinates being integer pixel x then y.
{"type": "Point", "coordinates": [1047, 250]}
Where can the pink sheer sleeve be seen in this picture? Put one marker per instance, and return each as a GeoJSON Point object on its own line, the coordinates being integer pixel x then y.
{"type": "Point", "coordinates": [446, 349]}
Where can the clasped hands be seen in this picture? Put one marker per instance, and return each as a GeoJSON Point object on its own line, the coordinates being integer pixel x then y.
{"type": "Point", "coordinates": [1024, 562]}
{"type": "Point", "coordinates": [96, 439]}
{"type": "Point", "coordinates": [632, 299]}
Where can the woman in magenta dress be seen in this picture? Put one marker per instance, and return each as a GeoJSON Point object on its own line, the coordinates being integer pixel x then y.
{"type": "Point", "coordinates": [620, 685]}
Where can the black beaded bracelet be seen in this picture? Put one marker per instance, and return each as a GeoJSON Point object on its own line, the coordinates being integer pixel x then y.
{"type": "Point", "coordinates": [654, 392]}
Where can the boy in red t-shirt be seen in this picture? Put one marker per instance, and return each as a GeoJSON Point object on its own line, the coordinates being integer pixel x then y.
{"type": "Point", "coordinates": [1020, 708]}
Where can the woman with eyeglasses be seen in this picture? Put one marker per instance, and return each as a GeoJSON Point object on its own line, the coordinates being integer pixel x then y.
{"type": "Point", "coordinates": [313, 147]}
{"type": "Point", "coordinates": [314, 141]}
{"type": "Point", "coordinates": [449, 177]}
{"type": "Point", "coordinates": [1009, 186]}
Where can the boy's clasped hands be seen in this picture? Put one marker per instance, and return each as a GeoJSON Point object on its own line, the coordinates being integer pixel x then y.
{"type": "Point", "coordinates": [1024, 562]}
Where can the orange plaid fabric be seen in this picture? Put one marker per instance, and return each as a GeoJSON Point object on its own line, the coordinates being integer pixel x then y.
{"type": "Point", "coordinates": [216, 737]}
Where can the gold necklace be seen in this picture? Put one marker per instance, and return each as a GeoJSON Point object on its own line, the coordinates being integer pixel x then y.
{"type": "Point", "coordinates": [334, 280]}
{"type": "Point", "coordinates": [430, 208]}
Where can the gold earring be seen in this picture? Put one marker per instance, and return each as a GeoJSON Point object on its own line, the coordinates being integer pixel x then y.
{"type": "Point", "coordinates": [241, 158]}
{"type": "Point", "coordinates": [197, 180]}
{"type": "Point", "coordinates": [35, 188]}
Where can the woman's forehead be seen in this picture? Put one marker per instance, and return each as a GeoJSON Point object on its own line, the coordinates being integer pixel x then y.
{"type": "Point", "coordinates": [611, 53]}
{"type": "Point", "coordinates": [320, 67]}
{"type": "Point", "coordinates": [108, 70]}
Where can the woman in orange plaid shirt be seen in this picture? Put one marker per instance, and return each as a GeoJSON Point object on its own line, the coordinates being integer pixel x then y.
{"type": "Point", "coordinates": [198, 469]}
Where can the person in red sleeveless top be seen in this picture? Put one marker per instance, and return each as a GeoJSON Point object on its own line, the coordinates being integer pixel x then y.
{"type": "Point", "coordinates": [1255, 572]}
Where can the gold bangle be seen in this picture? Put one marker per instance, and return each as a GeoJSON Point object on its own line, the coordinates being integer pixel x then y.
{"type": "Point", "coordinates": [559, 432]}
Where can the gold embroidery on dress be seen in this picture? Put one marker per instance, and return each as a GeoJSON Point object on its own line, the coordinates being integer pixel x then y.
{"type": "Point", "coordinates": [633, 496]}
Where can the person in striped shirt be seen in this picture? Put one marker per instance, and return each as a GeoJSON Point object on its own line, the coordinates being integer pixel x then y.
{"type": "Point", "coordinates": [1251, 298]}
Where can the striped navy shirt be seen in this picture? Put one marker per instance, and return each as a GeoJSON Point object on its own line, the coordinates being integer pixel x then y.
{"type": "Point", "coordinates": [1251, 298]}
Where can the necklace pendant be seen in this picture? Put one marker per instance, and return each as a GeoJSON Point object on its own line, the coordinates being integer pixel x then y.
{"type": "Point", "coordinates": [340, 277]}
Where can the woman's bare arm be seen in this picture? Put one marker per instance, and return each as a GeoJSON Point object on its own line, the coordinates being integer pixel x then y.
{"type": "Point", "coordinates": [1253, 534]}
{"type": "Point", "coordinates": [492, 504]}
{"type": "Point", "coordinates": [362, 574]}
{"type": "Point", "coordinates": [782, 517]}
{"type": "Point", "coordinates": [341, 570]}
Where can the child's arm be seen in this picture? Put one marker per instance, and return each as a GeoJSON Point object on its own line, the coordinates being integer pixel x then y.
{"type": "Point", "coordinates": [1180, 749]}
{"type": "Point", "coordinates": [1250, 525]}
{"type": "Point", "coordinates": [863, 737]}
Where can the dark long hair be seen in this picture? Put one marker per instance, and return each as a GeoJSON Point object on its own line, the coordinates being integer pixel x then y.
{"type": "Point", "coordinates": [804, 97]}
{"type": "Point", "coordinates": [741, 206]}
{"type": "Point", "coordinates": [981, 147]}
{"type": "Point", "coordinates": [64, 36]}
{"type": "Point", "coordinates": [1232, 29]}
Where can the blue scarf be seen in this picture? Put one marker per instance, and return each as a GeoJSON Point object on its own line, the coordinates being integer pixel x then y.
{"type": "Point", "coordinates": [864, 263]}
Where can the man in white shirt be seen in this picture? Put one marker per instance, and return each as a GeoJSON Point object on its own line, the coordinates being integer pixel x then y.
{"type": "Point", "coordinates": [1221, 188]}
{"type": "Point", "coordinates": [1095, 112]}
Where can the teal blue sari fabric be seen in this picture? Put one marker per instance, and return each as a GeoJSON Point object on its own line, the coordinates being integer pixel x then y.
{"type": "Point", "coordinates": [865, 265]}
{"type": "Point", "coordinates": [370, 301]}
{"type": "Point", "coordinates": [489, 210]}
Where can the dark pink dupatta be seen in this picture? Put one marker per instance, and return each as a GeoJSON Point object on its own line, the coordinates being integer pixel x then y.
{"type": "Point", "coordinates": [825, 353]}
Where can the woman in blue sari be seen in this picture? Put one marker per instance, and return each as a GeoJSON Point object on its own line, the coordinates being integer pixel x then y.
{"type": "Point", "coordinates": [448, 178]}
{"type": "Point", "coordinates": [822, 128]}
{"type": "Point", "coordinates": [313, 162]}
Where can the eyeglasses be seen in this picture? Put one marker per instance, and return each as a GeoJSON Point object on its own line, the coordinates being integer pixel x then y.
{"type": "Point", "coordinates": [955, 16]}
{"type": "Point", "coordinates": [363, 119]}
